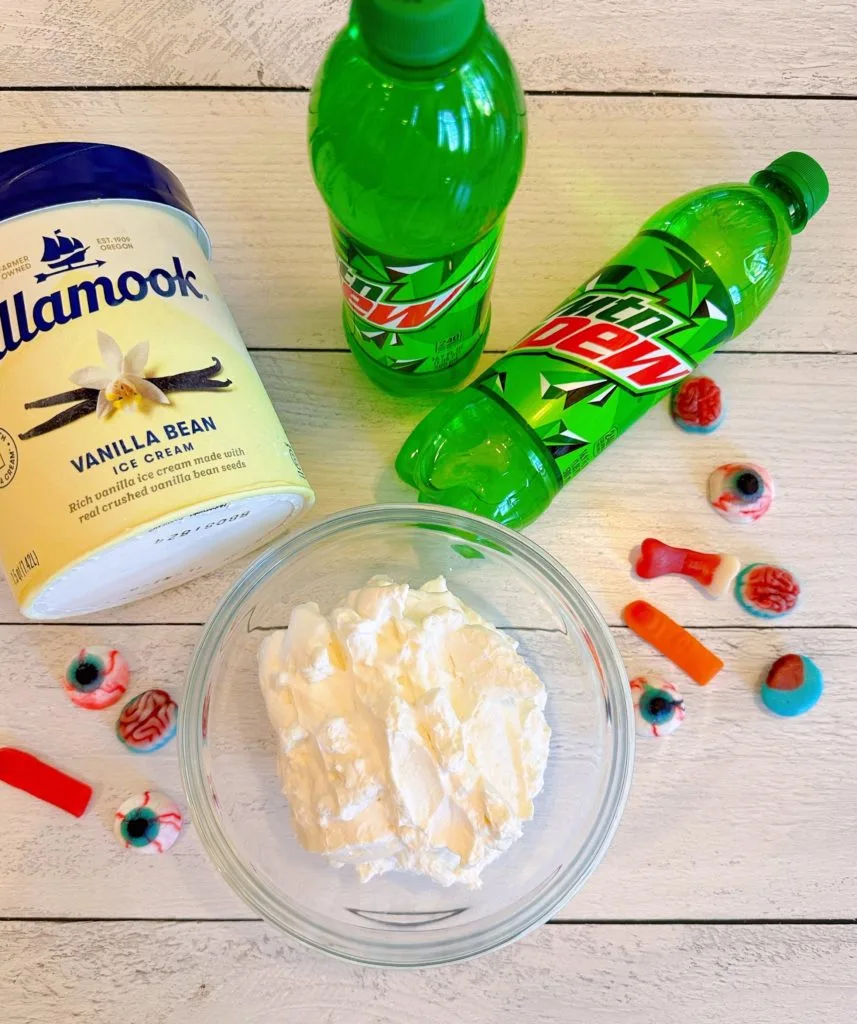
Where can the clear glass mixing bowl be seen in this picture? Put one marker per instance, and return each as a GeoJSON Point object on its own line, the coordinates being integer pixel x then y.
{"type": "Point", "coordinates": [228, 749]}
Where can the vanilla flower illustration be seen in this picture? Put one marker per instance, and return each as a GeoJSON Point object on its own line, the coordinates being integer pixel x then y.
{"type": "Point", "coordinates": [120, 378]}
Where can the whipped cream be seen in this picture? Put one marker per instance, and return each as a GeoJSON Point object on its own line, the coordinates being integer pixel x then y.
{"type": "Point", "coordinates": [412, 734]}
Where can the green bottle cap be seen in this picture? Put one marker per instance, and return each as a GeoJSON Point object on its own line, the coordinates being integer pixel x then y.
{"type": "Point", "coordinates": [417, 33]}
{"type": "Point", "coordinates": [807, 178]}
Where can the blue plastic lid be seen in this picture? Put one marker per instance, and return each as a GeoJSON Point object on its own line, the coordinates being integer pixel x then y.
{"type": "Point", "coordinates": [55, 173]}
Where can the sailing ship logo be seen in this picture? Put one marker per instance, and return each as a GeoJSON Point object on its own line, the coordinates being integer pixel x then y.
{"type": "Point", "coordinates": [63, 253]}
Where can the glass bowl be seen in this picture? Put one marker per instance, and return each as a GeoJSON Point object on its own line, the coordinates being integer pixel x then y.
{"type": "Point", "coordinates": [228, 748]}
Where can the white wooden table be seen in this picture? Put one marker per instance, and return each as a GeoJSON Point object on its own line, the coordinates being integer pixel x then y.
{"type": "Point", "coordinates": [730, 892]}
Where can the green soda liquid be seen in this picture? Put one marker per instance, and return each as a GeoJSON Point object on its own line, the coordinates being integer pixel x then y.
{"type": "Point", "coordinates": [417, 133]}
{"type": "Point", "coordinates": [698, 273]}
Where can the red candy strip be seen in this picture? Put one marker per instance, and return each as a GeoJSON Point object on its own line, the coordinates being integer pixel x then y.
{"type": "Point", "coordinates": [713, 571]}
{"type": "Point", "coordinates": [26, 772]}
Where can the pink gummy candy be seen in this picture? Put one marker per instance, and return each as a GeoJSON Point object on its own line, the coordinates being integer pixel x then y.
{"type": "Point", "coordinates": [714, 572]}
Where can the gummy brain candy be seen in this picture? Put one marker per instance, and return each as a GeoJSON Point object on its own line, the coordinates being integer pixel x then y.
{"type": "Point", "coordinates": [148, 721]}
{"type": "Point", "coordinates": [96, 678]}
{"type": "Point", "coordinates": [658, 706]}
{"type": "Point", "coordinates": [741, 492]}
{"type": "Point", "coordinates": [792, 686]}
{"type": "Point", "coordinates": [766, 590]}
{"type": "Point", "coordinates": [149, 823]}
{"type": "Point", "coordinates": [697, 405]}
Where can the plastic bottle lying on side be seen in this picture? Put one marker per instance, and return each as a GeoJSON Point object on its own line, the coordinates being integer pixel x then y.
{"type": "Point", "coordinates": [698, 273]}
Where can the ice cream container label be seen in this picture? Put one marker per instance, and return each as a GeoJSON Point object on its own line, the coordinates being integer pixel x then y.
{"type": "Point", "coordinates": [138, 446]}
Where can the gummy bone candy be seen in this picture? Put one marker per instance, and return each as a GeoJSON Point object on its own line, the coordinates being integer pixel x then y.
{"type": "Point", "coordinates": [658, 706]}
{"type": "Point", "coordinates": [674, 642]}
{"type": "Point", "coordinates": [26, 772]}
{"type": "Point", "coordinates": [148, 823]}
{"type": "Point", "coordinates": [713, 572]}
{"type": "Point", "coordinates": [740, 492]}
{"type": "Point", "coordinates": [792, 686]}
{"type": "Point", "coordinates": [96, 678]}
{"type": "Point", "coordinates": [697, 405]}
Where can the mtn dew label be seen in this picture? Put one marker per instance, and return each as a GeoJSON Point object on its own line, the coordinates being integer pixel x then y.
{"type": "Point", "coordinates": [614, 348]}
{"type": "Point", "coordinates": [138, 447]}
{"type": "Point", "coordinates": [416, 317]}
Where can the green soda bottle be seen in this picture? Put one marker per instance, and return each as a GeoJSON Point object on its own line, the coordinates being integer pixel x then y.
{"type": "Point", "coordinates": [417, 133]}
{"type": "Point", "coordinates": [698, 273]}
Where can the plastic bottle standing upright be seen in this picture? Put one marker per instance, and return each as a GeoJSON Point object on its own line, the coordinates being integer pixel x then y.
{"type": "Point", "coordinates": [417, 133]}
{"type": "Point", "coordinates": [698, 273]}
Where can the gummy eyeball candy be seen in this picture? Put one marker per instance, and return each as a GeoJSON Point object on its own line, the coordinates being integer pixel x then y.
{"type": "Point", "coordinates": [149, 823]}
{"type": "Point", "coordinates": [697, 405]}
{"type": "Point", "coordinates": [792, 686]}
{"type": "Point", "coordinates": [658, 706]}
{"type": "Point", "coordinates": [96, 678]}
{"type": "Point", "coordinates": [766, 590]}
{"type": "Point", "coordinates": [148, 721]}
{"type": "Point", "coordinates": [741, 492]}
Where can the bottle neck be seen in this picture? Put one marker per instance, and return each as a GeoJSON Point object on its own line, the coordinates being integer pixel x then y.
{"type": "Point", "coordinates": [417, 35]}
{"type": "Point", "coordinates": [419, 74]}
{"type": "Point", "coordinates": [789, 198]}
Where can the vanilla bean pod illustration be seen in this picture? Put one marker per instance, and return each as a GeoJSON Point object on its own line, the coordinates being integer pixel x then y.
{"type": "Point", "coordinates": [87, 398]}
{"type": "Point", "coordinates": [63, 418]}
{"type": "Point", "coordinates": [66, 396]}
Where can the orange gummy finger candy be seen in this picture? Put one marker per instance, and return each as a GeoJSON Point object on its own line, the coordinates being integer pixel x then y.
{"type": "Point", "coordinates": [673, 641]}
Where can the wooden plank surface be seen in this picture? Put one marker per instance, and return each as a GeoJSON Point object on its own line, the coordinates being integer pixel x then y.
{"type": "Point", "coordinates": [790, 413]}
{"type": "Point", "coordinates": [218, 973]}
{"type": "Point", "coordinates": [685, 46]}
{"type": "Point", "coordinates": [597, 168]}
{"type": "Point", "coordinates": [739, 815]}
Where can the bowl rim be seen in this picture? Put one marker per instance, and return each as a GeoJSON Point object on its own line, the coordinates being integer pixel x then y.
{"type": "Point", "coordinates": [555, 894]}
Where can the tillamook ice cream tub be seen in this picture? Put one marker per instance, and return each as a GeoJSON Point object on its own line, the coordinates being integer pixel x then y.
{"type": "Point", "coordinates": [138, 447]}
